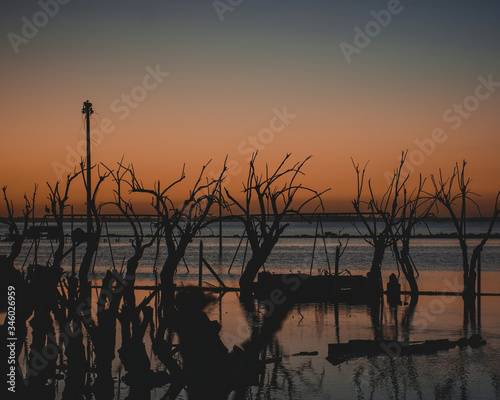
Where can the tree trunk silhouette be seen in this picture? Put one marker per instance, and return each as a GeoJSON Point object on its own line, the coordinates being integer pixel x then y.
{"type": "Point", "coordinates": [257, 260]}
{"type": "Point", "coordinates": [273, 195]}
{"type": "Point", "coordinates": [185, 220]}
{"type": "Point", "coordinates": [404, 261]}
{"type": "Point", "coordinates": [391, 219]}
{"type": "Point", "coordinates": [375, 275]}
{"type": "Point", "coordinates": [103, 334]}
{"type": "Point", "coordinates": [454, 194]}
{"type": "Point", "coordinates": [86, 264]}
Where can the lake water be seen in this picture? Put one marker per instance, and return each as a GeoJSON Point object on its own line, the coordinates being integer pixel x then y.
{"type": "Point", "coordinates": [455, 374]}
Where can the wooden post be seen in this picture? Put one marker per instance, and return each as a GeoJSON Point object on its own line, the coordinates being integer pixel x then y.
{"type": "Point", "coordinates": [236, 253]}
{"type": "Point", "coordinates": [220, 308]}
{"type": "Point", "coordinates": [479, 274]}
{"type": "Point", "coordinates": [479, 292]}
{"type": "Point", "coordinates": [36, 242]}
{"type": "Point", "coordinates": [337, 262]}
{"type": "Point", "coordinates": [200, 265]}
{"type": "Point", "coordinates": [314, 248]}
{"type": "Point", "coordinates": [33, 215]}
{"type": "Point", "coordinates": [244, 256]}
{"type": "Point", "coordinates": [337, 325]}
{"type": "Point", "coordinates": [73, 252]}
{"type": "Point", "coordinates": [213, 272]}
{"type": "Point", "coordinates": [324, 244]}
{"type": "Point", "coordinates": [158, 222]}
{"type": "Point", "coordinates": [220, 224]}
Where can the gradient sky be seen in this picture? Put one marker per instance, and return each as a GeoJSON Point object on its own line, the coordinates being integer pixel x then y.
{"type": "Point", "coordinates": [227, 78]}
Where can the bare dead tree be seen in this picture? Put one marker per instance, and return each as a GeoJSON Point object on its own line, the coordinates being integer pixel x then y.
{"type": "Point", "coordinates": [273, 196]}
{"type": "Point", "coordinates": [123, 177]}
{"type": "Point", "coordinates": [92, 238]}
{"type": "Point", "coordinates": [391, 221]}
{"type": "Point", "coordinates": [379, 219]}
{"type": "Point", "coordinates": [476, 253]}
{"type": "Point", "coordinates": [415, 208]}
{"type": "Point", "coordinates": [184, 220]}
{"type": "Point", "coordinates": [16, 235]}
{"type": "Point", "coordinates": [414, 211]}
{"type": "Point", "coordinates": [178, 225]}
{"type": "Point", "coordinates": [57, 205]}
{"type": "Point", "coordinates": [454, 194]}
{"type": "Point", "coordinates": [10, 276]}
{"type": "Point", "coordinates": [43, 280]}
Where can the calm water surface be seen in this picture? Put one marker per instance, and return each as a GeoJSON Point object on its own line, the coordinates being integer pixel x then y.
{"type": "Point", "coordinates": [456, 374]}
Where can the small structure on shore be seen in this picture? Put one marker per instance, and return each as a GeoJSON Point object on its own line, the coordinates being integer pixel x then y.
{"type": "Point", "coordinates": [393, 290]}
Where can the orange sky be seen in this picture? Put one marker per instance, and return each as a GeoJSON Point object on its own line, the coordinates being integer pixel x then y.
{"type": "Point", "coordinates": [227, 79]}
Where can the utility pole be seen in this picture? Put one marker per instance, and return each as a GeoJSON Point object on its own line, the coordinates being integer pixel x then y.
{"type": "Point", "coordinates": [220, 223]}
{"type": "Point", "coordinates": [88, 111]}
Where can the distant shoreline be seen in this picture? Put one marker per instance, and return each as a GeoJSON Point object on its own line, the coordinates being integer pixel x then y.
{"type": "Point", "coordinates": [305, 236]}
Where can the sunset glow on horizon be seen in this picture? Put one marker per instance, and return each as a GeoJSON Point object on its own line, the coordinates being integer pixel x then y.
{"type": "Point", "coordinates": [176, 83]}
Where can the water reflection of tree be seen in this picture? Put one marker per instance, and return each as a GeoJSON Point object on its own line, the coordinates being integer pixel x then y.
{"type": "Point", "coordinates": [74, 350]}
{"type": "Point", "coordinates": [133, 354]}
{"type": "Point", "coordinates": [376, 312]}
{"type": "Point", "coordinates": [419, 376]}
{"type": "Point", "coordinates": [494, 372]}
{"type": "Point", "coordinates": [284, 376]}
{"type": "Point", "coordinates": [396, 375]}
{"type": "Point", "coordinates": [290, 381]}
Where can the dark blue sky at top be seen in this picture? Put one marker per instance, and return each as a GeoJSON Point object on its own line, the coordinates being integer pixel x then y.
{"type": "Point", "coordinates": [455, 22]}
{"type": "Point", "coordinates": [445, 40]}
